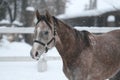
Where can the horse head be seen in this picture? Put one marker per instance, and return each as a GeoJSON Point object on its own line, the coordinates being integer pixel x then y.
{"type": "Point", "coordinates": [44, 35]}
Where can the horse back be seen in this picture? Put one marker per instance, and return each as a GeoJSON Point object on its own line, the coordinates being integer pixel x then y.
{"type": "Point", "coordinates": [107, 51]}
{"type": "Point", "coordinates": [105, 54]}
{"type": "Point", "coordinates": [115, 33]}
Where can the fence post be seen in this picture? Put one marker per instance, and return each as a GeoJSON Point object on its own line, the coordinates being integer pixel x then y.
{"type": "Point", "coordinates": [42, 64]}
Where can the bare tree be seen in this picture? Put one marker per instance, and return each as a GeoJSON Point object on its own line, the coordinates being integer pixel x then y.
{"type": "Point", "coordinates": [60, 6]}
{"type": "Point", "coordinates": [2, 10]}
{"type": "Point", "coordinates": [12, 16]}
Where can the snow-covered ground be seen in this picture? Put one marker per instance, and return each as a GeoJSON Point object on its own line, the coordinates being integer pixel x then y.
{"type": "Point", "coordinates": [28, 71]}
{"type": "Point", "coordinates": [17, 49]}
{"type": "Point", "coordinates": [14, 49]}
{"type": "Point", "coordinates": [17, 70]}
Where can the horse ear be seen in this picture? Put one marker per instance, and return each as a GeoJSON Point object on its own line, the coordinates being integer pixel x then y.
{"type": "Point", "coordinates": [38, 15]}
{"type": "Point", "coordinates": [48, 15]}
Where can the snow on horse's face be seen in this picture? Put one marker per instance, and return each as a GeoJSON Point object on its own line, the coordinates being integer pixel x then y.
{"type": "Point", "coordinates": [44, 37]}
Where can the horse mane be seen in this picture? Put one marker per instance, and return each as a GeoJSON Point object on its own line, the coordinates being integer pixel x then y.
{"type": "Point", "coordinates": [57, 22]}
{"type": "Point", "coordinates": [83, 35]}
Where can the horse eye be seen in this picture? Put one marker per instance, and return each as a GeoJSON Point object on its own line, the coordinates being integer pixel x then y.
{"type": "Point", "coordinates": [46, 32]}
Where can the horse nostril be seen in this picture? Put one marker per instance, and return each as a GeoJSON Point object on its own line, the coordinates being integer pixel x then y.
{"type": "Point", "coordinates": [36, 54]}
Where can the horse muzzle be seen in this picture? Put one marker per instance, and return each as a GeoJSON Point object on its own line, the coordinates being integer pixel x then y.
{"type": "Point", "coordinates": [35, 54]}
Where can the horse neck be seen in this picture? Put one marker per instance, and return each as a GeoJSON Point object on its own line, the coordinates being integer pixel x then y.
{"type": "Point", "coordinates": [67, 43]}
{"type": "Point", "coordinates": [65, 32]}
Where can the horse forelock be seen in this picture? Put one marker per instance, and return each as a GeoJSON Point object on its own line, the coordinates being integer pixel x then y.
{"type": "Point", "coordinates": [45, 19]}
{"type": "Point", "coordinates": [42, 17]}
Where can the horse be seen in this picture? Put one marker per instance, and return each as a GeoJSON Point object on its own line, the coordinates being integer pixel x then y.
{"type": "Point", "coordinates": [85, 56]}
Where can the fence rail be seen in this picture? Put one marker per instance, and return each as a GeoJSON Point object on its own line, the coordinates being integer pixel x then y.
{"type": "Point", "coordinates": [30, 30]}
{"type": "Point", "coordinates": [98, 29]}
{"type": "Point", "coordinates": [23, 58]}
{"type": "Point", "coordinates": [20, 30]}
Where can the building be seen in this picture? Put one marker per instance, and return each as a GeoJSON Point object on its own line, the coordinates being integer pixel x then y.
{"type": "Point", "coordinates": [94, 16]}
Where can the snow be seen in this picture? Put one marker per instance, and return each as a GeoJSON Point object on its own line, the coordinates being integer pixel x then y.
{"type": "Point", "coordinates": [21, 49]}
{"type": "Point", "coordinates": [4, 21]}
{"type": "Point", "coordinates": [84, 13]}
{"type": "Point", "coordinates": [8, 22]}
{"type": "Point", "coordinates": [107, 4]}
{"type": "Point", "coordinates": [14, 48]}
{"type": "Point", "coordinates": [75, 6]}
{"type": "Point", "coordinates": [30, 8]}
{"type": "Point", "coordinates": [17, 23]}
{"type": "Point", "coordinates": [27, 70]}
{"type": "Point", "coordinates": [111, 18]}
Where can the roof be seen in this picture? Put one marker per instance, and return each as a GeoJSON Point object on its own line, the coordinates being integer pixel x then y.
{"type": "Point", "coordinates": [76, 8]}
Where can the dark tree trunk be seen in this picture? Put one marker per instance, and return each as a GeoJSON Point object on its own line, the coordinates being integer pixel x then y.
{"type": "Point", "coordinates": [2, 10]}
{"type": "Point", "coordinates": [15, 10]}
{"type": "Point", "coordinates": [117, 20]}
{"type": "Point", "coordinates": [23, 8]}
{"type": "Point", "coordinates": [10, 13]}
{"type": "Point", "coordinates": [12, 16]}
{"type": "Point", "coordinates": [60, 6]}
{"type": "Point", "coordinates": [27, 20]}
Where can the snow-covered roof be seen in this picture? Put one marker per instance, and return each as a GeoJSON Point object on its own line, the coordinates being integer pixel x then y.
{"type": "Point", "coordinates": [76, 8]}
{"type": "Point", "coordinates": [85, 13]}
